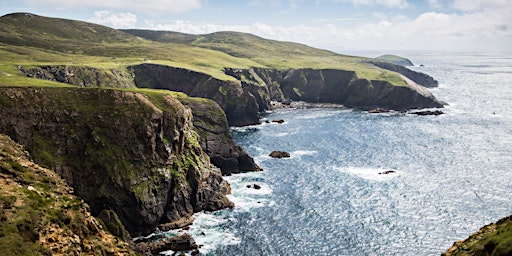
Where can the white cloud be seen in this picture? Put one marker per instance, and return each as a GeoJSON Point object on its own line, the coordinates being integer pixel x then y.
{"type": "Point", "coordinates": [479, 5]}
{"type": "Point", "coordinates": [387, 3]}
{"type": "Point", "coordinates": [150, 6]}
{"type": "Point", "coordinates": [116, 20]}
{"type": "Point", "coordinates": [484, 29]}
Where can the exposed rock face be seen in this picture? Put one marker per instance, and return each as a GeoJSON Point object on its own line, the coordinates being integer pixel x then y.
{"type": "Point", "coordinates": [178, 243]}
{"type": "Point", "coordinates": [279, 154]}
{"type": "Point", "coordinates": [39, 215]}
{"type": "Point", "coordinates": [255, 88]}
{"type": "Point", "coordinates": [335, 86]}
{"type": "Point", "coordinates": [81, 76]}
{"type": "Point", "coordinates": [417, 77]}
{"type": "Point", "coordinates": [237, 102]}
{"type": "Point", "coordinates": [209, 120]}
{"type": "Point", "coordinates": [216, 140]}
{"type": "Point", "coordinates": [259, 86]}
{"type": "Point", "coordinates": [134, 154]}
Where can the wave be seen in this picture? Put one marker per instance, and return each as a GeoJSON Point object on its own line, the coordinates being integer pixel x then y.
{"type": "Point", "coordinates": [374, 174]}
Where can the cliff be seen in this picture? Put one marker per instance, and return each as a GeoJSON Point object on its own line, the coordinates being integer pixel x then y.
{"type": "Point", "coordinates": [209, 120]}
{"type": "Point", "coordinates": [135, 154]}
{"type": "Point", "coordinates": [40, 215]}
{"type": "Point", "coordinates": [419, 78]}
{"type": "Point", "coordinates": [243, 99]}
{"type": "Point", "coordinates": [493, 239]}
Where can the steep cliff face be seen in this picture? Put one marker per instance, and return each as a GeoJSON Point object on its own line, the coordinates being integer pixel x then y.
{"type": "Point", "coordinates": [258, 86]}
{"type": "Point", "coordinates": [39, 215]}
{"type": "Point", "coordinates": [334, 86]}
{"type": "Point", "coordinates": [239, 104]}
{"type": "Point", "coordinates": [81, 76]}
{"type": "Point", "coordinates": [417, 77]}
{"type": "Point", "coordinates": [215, 138]}
{"type": "Point", "coordinates": [136, 154]}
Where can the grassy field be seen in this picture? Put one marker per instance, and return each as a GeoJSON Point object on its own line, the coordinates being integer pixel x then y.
{"type": "Point", "coordinates": [31, 40]}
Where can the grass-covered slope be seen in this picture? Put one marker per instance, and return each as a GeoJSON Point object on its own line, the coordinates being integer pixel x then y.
{"type": "Point", "coordinates": [32, 39]}
{"type": "Point", "coordinates": [40, 215]}
{"type": "Point", "coordinates": [494, 239]}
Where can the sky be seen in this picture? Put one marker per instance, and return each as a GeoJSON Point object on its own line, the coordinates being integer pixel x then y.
{"type": "Point", "coordinates": [342, 26]}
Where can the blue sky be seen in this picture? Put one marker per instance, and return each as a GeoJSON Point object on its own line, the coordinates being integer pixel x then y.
{"type": "Point", "coordinates": [343, 26]}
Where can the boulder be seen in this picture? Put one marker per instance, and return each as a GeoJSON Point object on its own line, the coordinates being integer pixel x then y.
{"type": "Point", "coordinates": [279, 154]}
{"type": "Point", "coordinates": [178, 243]}
{"type": "Point", "coordinates": [428, 113]}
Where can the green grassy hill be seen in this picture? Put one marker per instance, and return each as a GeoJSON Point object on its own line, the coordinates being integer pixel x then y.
{"type": "Point", "coordinates": [28, 39]}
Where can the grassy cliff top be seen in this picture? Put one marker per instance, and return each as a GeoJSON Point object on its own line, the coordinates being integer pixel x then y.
{"type": "Point", "coordinates": [30, 40]}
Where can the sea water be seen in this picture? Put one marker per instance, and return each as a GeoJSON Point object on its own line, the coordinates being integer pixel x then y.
{"type": "Point", "coordinates": [451, 174]}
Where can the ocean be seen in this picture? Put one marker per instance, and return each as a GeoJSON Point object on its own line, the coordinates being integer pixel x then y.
{"type": "Point", "coordinates": [452, 174]}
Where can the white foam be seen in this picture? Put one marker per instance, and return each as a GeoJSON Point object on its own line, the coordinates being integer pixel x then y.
{"type": "Point", "coordinates": [299, 153]}
{"type": "Point", "coordinates": [368, 173]}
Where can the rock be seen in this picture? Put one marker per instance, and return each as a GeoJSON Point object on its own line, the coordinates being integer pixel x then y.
{"type": "Point", "coordinates": [419, 78]}
{"type": "Point", "coordinates": [428, 113]}
{"type": "Point", "coordinates": [178, 243]}
{"type": "Point", "coordinates": [61, 224]}
{"type": "Point", "coordinates": [279, 154]}
{"type": "Point", "coordinates": [215, 138]}
{"type": "Point", "coordinates": [378, 110]}
{"type": "Point", "coordinates": [119, 151]}
{"type": "Point", "coordinates": [279, 121]}
{"type": "Point", "coordinates": [114, 225]}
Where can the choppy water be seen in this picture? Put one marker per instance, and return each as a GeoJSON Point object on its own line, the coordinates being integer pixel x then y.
{"type": "Point", "coordinates": [453, 173]}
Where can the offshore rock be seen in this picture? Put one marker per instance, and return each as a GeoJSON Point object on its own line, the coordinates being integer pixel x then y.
{"type": "Point", "coordinates": [128, 152]}
{"type": "Point", "coordinates": [279, 154]}
{"type": "Point", "coordinates": [178, 243]}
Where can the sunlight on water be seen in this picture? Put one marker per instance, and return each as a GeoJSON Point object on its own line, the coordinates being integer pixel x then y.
{"type": "Point", "coordinates": [451, 173]}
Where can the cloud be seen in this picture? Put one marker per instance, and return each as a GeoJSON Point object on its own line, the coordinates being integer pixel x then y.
{"type": "Point", "coordinates": [116, 20]}
{"type": "Point", "coordinates": [479, 5]}
{"type": "Point", "coordinates": [401, 4]}
{"type": "Point", "coordinates": [485, 28]}
{"type": "Point", "coordinates": [149, 6]}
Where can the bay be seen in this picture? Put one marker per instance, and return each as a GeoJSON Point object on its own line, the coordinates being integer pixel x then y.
{"type": "Point", "coordinates": [451, 173]}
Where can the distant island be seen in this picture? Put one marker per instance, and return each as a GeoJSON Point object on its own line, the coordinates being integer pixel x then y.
{"type": "Point", "coordinates": [395, 60]}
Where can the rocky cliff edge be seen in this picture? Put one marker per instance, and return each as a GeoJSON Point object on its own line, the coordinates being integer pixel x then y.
{"type": "Point", "coordinates": [136, 154]}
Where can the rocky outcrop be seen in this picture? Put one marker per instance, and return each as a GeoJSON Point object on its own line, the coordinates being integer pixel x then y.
{"type": "Point", "coordinates": [417, 77]}
{"type": "Point", "coordinates": [177, 243]}
{"type": "Point", "coordinates": [237, 102]}
{"type": "Point", "coordinates": [135, 154]}
{"type": "Point", "coordinates": [40, 215]}
{"type": "Point", "coordinates": [257, 87]}
{"type": "Point", "coordinates": [209, 120]}
{"type": "Point", "coordinates": [215, 138]}
{"type": "Point", "coordinates": [82, 76]}
{"type": "Point", "coordinates": [279, 154]}
{"type": "Point", "coordinates": [335, 86]}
